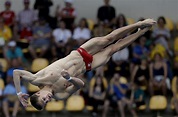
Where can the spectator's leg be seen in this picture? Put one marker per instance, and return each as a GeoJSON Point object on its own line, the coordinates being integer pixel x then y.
{"type": "Point", "coordinates": [32, 52]}
{"type": "Point", "coordinates": [43, 51]}
{"type": "Point", "coordinates": [6, 108]}
{"type": "Point", "coordinates": [164, 88]}
{"type": "Point", "coordinates": [121, 108]}
{"type": "Point", "coordinates": [106, 107]}
{"type": "Point", "coordinates": [53, 51]}
{"type": "Point", "coordinates": [15, 109]}
{"type": "Point", "coordinates": [176, 106]}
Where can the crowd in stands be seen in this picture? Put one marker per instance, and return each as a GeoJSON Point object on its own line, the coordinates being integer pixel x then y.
{"type": "Point", "coordinates": [144, 69]}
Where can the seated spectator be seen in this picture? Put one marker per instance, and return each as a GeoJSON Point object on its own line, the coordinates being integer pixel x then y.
{"type": "Point", "coordinates": [106, 13]}
{"type": "Point", "coordinates": [26, 33]}
{"type": "Point", "coordinates": [41, 39]}
{"type": "Point", "coordinates": [26, 17]}
{"type": "Point", "coordinates": [137, 96]}
{"type": "Point", "coordinates": [120, 62]}
{"type": "Point", "coordinates": [97, 92]}
{"type": "Point", "coordinates": [15, 52]}
{"type": "Point", "coordinates": [120, 21]}
{"type": "Point", "coordinates": [140, 74]}
{"type": "Point", "coordinates": [101, 30]}
{"type": "Point", "coordinates": [139, 50]}
{"type": "Point", "coordinates": [82, 32]}
{"type": "Point", "coordinates": [161, 34]}
{"type": "Point", "coordinates": [68, 14]}
{"type": "Point", "coordinates": [8, 15]}
{"type": "Point", "coordinates": [116, 96]}
{"type": "Point", "coordinates": [159, 74]}
{"type": "Point", "coordinates": [61, 36]}
{"type": "Point", "coordinates": [9, 93]}
{"type": "Point", "coordinates": [5, 33]}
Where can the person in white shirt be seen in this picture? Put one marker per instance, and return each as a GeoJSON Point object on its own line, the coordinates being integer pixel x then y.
{"type": "Point", "coordinates": [61, 36]}
{"type": "Point", "coordinates": [82, 32]}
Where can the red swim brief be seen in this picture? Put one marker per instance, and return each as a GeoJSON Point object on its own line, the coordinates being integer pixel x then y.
{"type": "Point", "coordinates": [87, 58]}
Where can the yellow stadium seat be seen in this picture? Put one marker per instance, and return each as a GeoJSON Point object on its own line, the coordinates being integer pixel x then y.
{"type": "Point", "coordinates": [142, 107]}
{"type": "Point", "coordinates": [75, 103]}
{"type": "Point", "coordinates": [176, 44]}
{"type": "Point", "coordinates": [32, 88]}
{"type": "Point", "coordinates": [143, 87]}
{"type": "Point", "coordinates": [172, 104]}
{"type": "Point", "coordinates": [1, 83]}
{"type": "Point", "coordinates": [169, 24]}
{"type": "Point", "coordinates": [91, 24]}
{"type": "Point", "coordinates": [4, 64]}
{"type": "Point", "coordinates": [93, 80]}
{"type": "Point", "coordinates": [30, 108]}
{"type": "Point", "coordinates": [89, 108]}
{"type": "Point", "coordinates": [173, 84]}
{"type": "Point", "coordinates": [55, 106]}
{"type": "Point", "coordinates": [123, 80]}
{"type": "Point", "coordinates": [130, 21]}
{"type": "Point", "coordinates": [25, 50]}
{"type": "Point", "coordinates": [39, 64]}
{"type": "Point", "coordinates": [157, 103]}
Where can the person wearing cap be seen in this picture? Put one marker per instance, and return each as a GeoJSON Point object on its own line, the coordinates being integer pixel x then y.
{"type": "Point", "coordinates": [27, 16]}
{"type": "Point", "coordinates": [8, 15]}
{"type": "Point", "coordinates": [68, 14]}
{"type": "Point", "coordinates": [14, 52]}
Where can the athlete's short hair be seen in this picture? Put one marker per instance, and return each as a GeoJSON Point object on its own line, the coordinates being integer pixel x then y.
{"type": "Point", "coordinates": [35, 103]}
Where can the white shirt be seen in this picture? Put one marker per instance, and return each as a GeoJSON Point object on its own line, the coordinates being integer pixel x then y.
{"type": "Point", "coordinates": [62, 35]}
{"type": "Point", "coordinates": [121, 55]}
{"type": "Point", "coordinates": [81, 33]}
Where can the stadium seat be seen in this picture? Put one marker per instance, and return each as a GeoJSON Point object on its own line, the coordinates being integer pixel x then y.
{"type": "Point", "coordinates": [75, 103]}
{"type": "Point", "coordinates": [130, 21]}
{"type": "Point", "coordinates": [175, 44]}
{"type": "Point", "coordinates": [4, 64]}
{"type": "Point", "coordinates": [55, 106]}
{"type": "Point", "coordinates": [142, 107]}
{"type": "Point", "coordinates": [39, 64]}
{"type": "Point", "coordinates": [169, 24]}
{"type": "Point", "coordinates": [32, 88]}
{"type": "Point", "coordinates": [30, 108]}
{"type": "Point", "coordinates": [91, 24]}
{"type": "Point", "coordinates": [1, 83]}
{"type": "Point", "coordinates": [158, 102]}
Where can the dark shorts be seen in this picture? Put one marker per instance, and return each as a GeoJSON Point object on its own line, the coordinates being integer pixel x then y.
{"type": "Point", "coordinates": [87, 58]}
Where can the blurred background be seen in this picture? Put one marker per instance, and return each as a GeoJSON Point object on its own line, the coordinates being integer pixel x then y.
{"type": "Point", "coordinates": [139, 80]}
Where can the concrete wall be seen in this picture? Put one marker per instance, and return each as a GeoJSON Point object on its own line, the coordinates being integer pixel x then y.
{"type": "Point", "coordinates": [131, 8]}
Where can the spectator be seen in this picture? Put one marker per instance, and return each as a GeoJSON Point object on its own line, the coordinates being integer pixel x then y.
{"type": "Point", "coordinates": [101, 30]}
{"type": "Point", "coordinates": [120, 62]}
{"type": "Point", "coordinates": [97, 92]}
{"type": "Point", "coordinates": [158, 74]}
{"type": "Point", "coordinates": [8, 15]}
{"type": "Point", "coordinates": [41, 39]}
{"type": "Point", "coordinates": [120, 21]}
{"type": "Point", "coordinates": [14, 52]}
{"type": "Point", "coordinates": [106, 13]}
{"type": "Point", "coordinates": [140, 75]}
{"type": "Point", "coordinates": [161, 34]}
{"type": "Point", "coordinates": [9, 93]}
{"type": "Point", "coordinates": [82, 32]}
{"type": "Point", "coordinates": [43, 7]}
{"type": "Point", "coordinates": [5, 33]}
{"type": "Point", "coordinates": [117, 96]}
{"type": "Point", "coordinates": [139, 50]}
{"type": "Point", "coordinates": [68, 14]}
{"type": "Point", "coordinates": [26, 17]}
{"type": "Point", "coordinates": [61, 36]}
{"type": "Point", "coordinates": [137, 96]}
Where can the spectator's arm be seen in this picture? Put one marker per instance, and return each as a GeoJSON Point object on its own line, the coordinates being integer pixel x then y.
{"type": "Point", "coordinates": [134, 73]}
{"type": "Point", "coordinates": [165, 70]}
{"type": "Point", "coordinates": [151, 71]}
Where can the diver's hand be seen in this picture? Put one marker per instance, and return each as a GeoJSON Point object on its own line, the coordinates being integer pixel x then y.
{"type": "Point", "coordinates": [23, 99]}
{"type": "Point", "coordinates": [65, 74]}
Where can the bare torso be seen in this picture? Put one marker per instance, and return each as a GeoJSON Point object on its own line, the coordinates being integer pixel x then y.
{"type": "Point", "coordinates": [51, 75]}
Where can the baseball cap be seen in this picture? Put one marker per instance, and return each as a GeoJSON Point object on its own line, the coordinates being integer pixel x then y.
{"type": "Point", "coordinates": [12, 44]}
{"type": "Point", "coordinates": [8, 2]}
